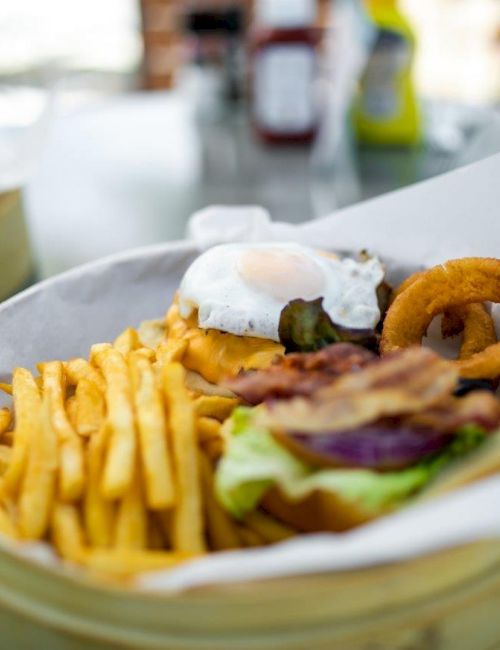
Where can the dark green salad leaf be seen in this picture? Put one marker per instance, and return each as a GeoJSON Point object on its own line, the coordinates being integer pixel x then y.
{"type": "Point", "coordinates": [306, 327]}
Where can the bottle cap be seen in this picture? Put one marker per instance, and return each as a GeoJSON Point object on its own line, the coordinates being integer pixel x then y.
{"type": "Point", "coordinates": [286, 14]}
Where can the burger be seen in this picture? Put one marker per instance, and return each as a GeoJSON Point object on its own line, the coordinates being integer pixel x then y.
{"type": "Point", "coordinates": [339, 437]}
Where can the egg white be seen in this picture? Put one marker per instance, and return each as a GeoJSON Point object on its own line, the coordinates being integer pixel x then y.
{"type": "Point", "coordinates": [242, 288]}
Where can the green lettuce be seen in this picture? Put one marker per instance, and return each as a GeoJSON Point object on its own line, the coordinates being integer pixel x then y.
{"type": "Point", "coordinates": [306, 327]}
{"type": "Point", "coordinates": [254, 462]}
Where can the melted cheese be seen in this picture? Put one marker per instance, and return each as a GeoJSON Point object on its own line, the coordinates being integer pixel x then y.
{"type": "Point", "coordinates": [216, 354]}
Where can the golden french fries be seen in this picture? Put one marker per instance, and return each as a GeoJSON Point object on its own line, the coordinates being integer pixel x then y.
{"type": "Point", "coordinates": [7, 527]}
{"type": "Point", "coordinates": [78, 369]}
{"type": "Point", "coordinates": [39, 482]}
{"type": "Point", "coordinates": [250, 538]}
{"type": "Point", "coordinates": [98, 513]}
{"type": "Point", "coordinates": [27, 407]}
{"type": "Point", "coordinates": [70, 408]}
{"type": "Point", "coordinates": [151, 333]}
{"type": "Point", "coordinates": [5, 458]}
{"type": "Point", "coordinates": [152, 424]}
{"type": "Point", "coordinates": [170, 350]}
{"type": "Point", "coordinates": [208, 429]}
{"type": "Point", "coordinates": [67, 532]}
{"type": "Point", "coordinates": [187, 523]}
{"type": "Point", "coordinates": [6, 388]}
{"type": "Point", "coordinates": [131, 526]}
{"type": "Point", "coordinates": [90, 407]}
{"type": "Point", "coordinates": [112, 459]}
{"type": "Point", "coordinates": [121, 453]}
{"type": "Point", "coordinates": [222, 530]}
{"type": "Point", "coordinates": [5, 420]}
{"type": "Point", "coordinates": [269, 529]}
{"type": "Point", "coordinates": [72, 470]}
{"type": "Point", "coordinates": [127, 341]}
{"type": "Point", "coordinates": [124, 563]}
{"type": "Point", "coordinates": [214, 448]}
{"type": "Point", "coordinates": [214, 406]}
{"type": "Point", "coordinates": [147, 353]}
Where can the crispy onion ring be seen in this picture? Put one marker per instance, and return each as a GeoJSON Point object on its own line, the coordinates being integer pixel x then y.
{"type": "Point", "coordinates": [454, 284]}
{"type": "Point", "coordinates": [472, 321]}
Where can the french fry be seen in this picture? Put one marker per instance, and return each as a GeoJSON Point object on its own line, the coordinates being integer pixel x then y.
{"type": "Point", "coordinates": [7, 438]}
{"type": "Point", "coordinates": [210, 437]}
{"type": "Point", "coordinates": [90, 407]}
{"type": "Point", "coordinates": [124, 563]}
{"type": "Point", "coordinates": [7, 527]}
{"type": "Point", "coordinates": [171, 350]}
{"type": "Point", "coordinates": [98, 513]}
{"type": "Point", "coordinates": [71, 465]}
{"type": "Point", "coordinates": [214, 406]}
{"type": "Point", "coordinates": [5, 420]}
{"type": "Point", "coordinates": [5, 457]}
{"type": "Point", "coordinates": [187, 522]}
{"type": "Point", "coordinates": [131, 519]}
{"type": "Point", "coordinates": [121, 453]}
{"type": "Point", "coordinates": [6, 388]}
{"type": "Point", "coordinates": [197, 384]}
{"type": "Point", "coordinates": [147, 353]}
{"type": "Point", "coordinates": [250, 538]}
{"type": "Point", "coordinates": [39, 482]}
{"type": "Point", "coordinates": [127, 341]}
{"type": "Point", "coordinates": [155, 455]}
{"type": "Point", "coordinates": [151, 332]}
{"type": "Point", "coordinates": [208, 429]}
{"type": "Point", "coordinates": [78, 369]}
{"type": "Point", "coordinates": [269, 529]}
{"type": "Point", "coordinates": [221, 529]}
{"type": "Point", "coordinates": [214, 448]}
{"type": "Point", "coordinates": [67, 533]}
{"type": "Point", "coordinates": [70, 408]}
{"type": "Point", "coordinates": [27, 408]}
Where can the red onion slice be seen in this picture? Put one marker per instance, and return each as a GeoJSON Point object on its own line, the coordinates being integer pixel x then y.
{"type": "Point", "coordinates": [375, 446]}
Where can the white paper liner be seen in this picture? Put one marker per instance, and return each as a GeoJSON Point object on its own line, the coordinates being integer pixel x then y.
{"type": "Point", "coordinates": [444, 218]}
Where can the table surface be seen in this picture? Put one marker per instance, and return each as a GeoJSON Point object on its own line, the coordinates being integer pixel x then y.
{"type": "Point", "coordinates": [130, 171]}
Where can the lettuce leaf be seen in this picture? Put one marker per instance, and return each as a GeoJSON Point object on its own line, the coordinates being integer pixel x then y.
{"type": "Point", "coordinates": [306, 327]}
{"type": "Point", "coordinates": [254, 462]}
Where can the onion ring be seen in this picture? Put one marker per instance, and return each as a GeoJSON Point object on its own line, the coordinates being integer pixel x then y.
{"type": "Point", "coordinates": [453, 284]}
{"type": "Point", "coordinates": [473, 321]}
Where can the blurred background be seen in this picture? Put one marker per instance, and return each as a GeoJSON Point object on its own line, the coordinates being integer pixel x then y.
{"type": "Point", "coordinates": [119, 119]}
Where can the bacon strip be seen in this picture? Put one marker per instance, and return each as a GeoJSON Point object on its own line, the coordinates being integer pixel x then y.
{"type": "Point", "coordinates": [300, 373]}
{"type": "Point", "coordinates": [481, 408]}
{"type": "Point", "coordinates": [410, 381]}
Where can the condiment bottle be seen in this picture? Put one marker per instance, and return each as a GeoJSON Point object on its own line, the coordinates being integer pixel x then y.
{"type": "Point", "coordinates": [283, 46]}
{"type": "Point", "coordinates": [386, 111]}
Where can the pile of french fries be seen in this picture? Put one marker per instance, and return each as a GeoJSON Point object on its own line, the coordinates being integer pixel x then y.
{"type": "Point", "coordinates": [111, 460]}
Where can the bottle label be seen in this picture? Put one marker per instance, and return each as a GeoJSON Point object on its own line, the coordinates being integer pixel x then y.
{"type": "Point", "coordinates": [389, 58]}
{"type": "Point", "coordinates": [283, 88]}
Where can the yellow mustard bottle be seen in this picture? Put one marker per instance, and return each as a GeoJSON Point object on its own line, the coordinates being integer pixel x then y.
{"type": "Point", "coordinates": [386, 109]}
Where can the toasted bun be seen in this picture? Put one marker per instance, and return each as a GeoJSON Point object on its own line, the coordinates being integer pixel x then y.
{"type": "Point", "coordinates": [324, 511]}
{"type": "Point", "coordinates": [320, 511]}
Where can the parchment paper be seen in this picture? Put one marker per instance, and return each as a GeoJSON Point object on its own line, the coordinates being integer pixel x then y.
{"type": "Point", "coordinates": [452, 216]}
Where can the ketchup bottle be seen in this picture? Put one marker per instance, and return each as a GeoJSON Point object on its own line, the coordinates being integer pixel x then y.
{"type": "Point", "coordinates": [284, 58]}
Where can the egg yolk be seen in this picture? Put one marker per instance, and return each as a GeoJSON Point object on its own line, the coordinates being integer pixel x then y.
{"type": "Point", "coordinates": [284, 275]}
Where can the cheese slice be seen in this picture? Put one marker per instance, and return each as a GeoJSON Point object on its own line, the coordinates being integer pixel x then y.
{"type": "Point", "coordinates": [216, 355]}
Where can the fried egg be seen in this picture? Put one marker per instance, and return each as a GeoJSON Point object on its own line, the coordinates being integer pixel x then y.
{"type": "Point", "coordinates": [242, 288]}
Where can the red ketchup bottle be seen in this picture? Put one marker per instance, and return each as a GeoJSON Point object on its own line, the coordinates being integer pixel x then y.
{"type": "Point", "coordinates": [284, 58]}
